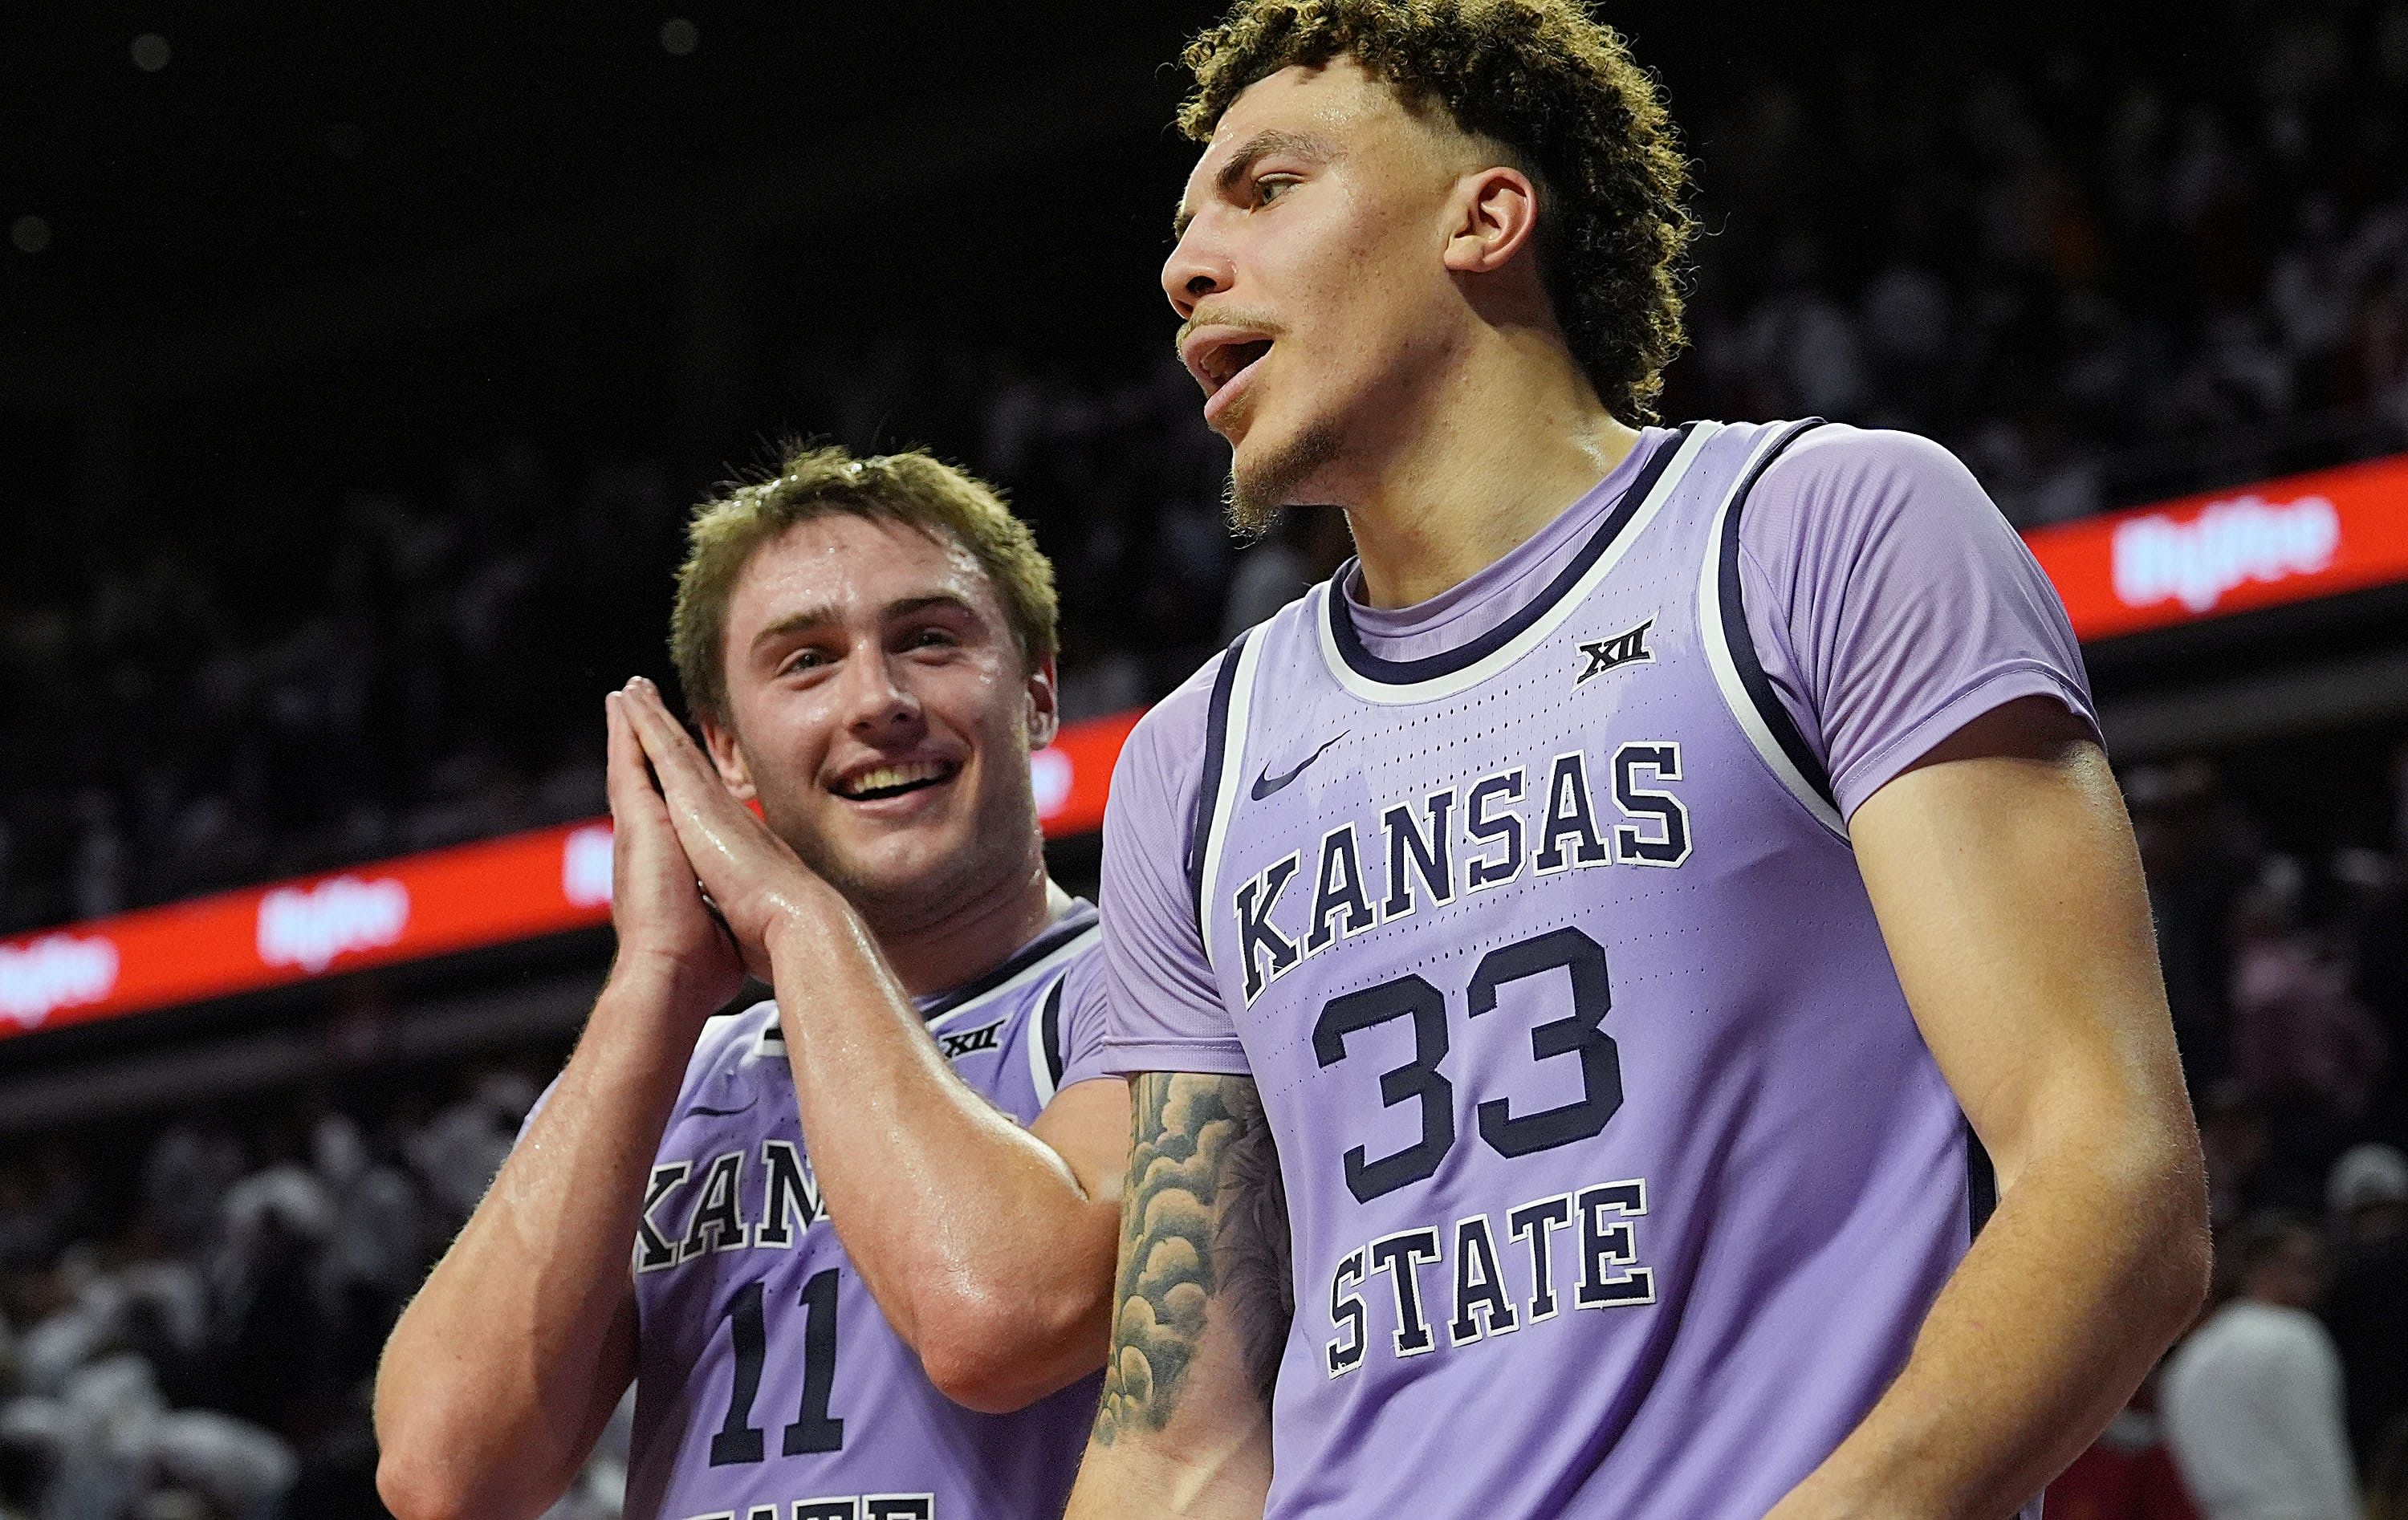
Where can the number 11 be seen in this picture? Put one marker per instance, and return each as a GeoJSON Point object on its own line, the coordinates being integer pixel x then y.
{"type": "Point", "coordinates": [738, 1440]}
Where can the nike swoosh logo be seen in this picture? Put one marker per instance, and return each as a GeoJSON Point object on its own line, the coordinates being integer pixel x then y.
{"type": "Point", "coordinates": [1267, 784]}
{"type": "Point", "coordinates": [718, 1114]}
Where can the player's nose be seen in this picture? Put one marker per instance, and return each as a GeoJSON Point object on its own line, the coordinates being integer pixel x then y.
{"type": "Point", "coordinates": [876, 699]}
{"type": "Point", "coordinates": [1197, 268]}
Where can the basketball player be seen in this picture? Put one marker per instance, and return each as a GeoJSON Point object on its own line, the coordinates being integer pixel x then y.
{"type": "Point", "coordinates": [1611, 933]}
{"type": "Point", "coordinates": [812, 1232]}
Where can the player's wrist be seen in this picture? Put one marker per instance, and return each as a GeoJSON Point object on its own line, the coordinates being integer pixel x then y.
{"type": "Point", "coordinates": [811, 924]}
{"type": "Point", "coordinates": [663, 984]}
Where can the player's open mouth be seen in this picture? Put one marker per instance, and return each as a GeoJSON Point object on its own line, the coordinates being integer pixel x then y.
{"type": "Point", "coordinates": [1230, 365]}
{"type": "Point", "coordinates": [1224, 362]}
{"type": "Point", "coordinates": [1220, 358]}
{"type": "Point", "coordinates": [879, 782]}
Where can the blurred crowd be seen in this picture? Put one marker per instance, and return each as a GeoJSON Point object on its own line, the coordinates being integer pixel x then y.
{"type": "Point", "coordinates": [2098, 285]}
{"type": "Point", "coordinates": [189, 1324]}
{"type": "Point", "coordinates": [404, 669]}
{"type": "Point", "coordinates": [2288, 979]}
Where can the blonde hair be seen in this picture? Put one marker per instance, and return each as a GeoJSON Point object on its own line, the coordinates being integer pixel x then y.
{"type": "Point", "coordinates": [913, 488]}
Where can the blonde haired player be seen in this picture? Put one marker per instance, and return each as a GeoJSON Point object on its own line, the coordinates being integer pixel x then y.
{"type": "Point", "coordinates": [823, 1234]}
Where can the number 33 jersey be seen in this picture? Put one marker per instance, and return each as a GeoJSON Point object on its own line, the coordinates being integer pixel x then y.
{"type": "Point", "coordinates": [768, 1386]}
{"type": "Point", "coordinates": [1618, 1174]}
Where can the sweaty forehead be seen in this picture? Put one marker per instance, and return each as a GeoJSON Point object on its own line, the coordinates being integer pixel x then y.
{"type": "Point", "coordinates": [848, 566]}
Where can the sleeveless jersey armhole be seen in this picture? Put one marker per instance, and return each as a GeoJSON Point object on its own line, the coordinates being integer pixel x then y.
{"type": "Point", "coordinates": [1730, 649]}
{"type": "Point", "coordinates": [1225, 743]}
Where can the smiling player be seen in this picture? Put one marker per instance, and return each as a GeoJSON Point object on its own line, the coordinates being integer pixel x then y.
{"type": "Point", "coordinates": [1579, 968]}
{"type": "Point", "coordinates": [840, 1232]}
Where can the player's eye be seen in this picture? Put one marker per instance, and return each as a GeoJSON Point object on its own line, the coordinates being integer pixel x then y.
{"type": "Point", "coordinates": [802, 660]}
{"type": "Point", "coordinates": [932, 637]}
{"type": "Point", "coordinates": [1267, 187]}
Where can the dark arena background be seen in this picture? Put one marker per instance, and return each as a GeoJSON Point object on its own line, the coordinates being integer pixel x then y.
{"type": "Point", "coordinates": [358, 365]}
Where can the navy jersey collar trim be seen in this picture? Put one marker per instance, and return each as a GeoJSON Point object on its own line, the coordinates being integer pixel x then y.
{"type": "Point", "coordinates": [1373, 667]}
{"type": "Point", "coordinates": [1079, 920]}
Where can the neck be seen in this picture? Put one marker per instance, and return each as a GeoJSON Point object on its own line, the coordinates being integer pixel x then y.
{"type": "Point", "coordinates": [976, 936]}
{"type": "Point", "coordinates": [1466, 472]}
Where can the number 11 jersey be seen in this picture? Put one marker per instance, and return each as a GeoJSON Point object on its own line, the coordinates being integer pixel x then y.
{"type": "Point", "coordinates": [1618, 1174]}
{"type": "Point", "coordinates": [768, 1386]}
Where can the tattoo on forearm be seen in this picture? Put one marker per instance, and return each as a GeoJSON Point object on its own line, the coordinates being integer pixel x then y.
{"type": "Point", "coordinates": [1203, 1231]}
{"type": "Point", "coordinates": [1250, 1245]}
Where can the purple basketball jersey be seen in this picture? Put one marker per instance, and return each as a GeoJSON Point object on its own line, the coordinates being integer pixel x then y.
{"type": "Point", "coordinates": [1619, 1175]}
{"type": "Point", "coordinates": [768, 1386]}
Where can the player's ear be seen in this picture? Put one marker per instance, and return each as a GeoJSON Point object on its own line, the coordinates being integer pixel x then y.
{"type": "Point", "coordinates": [726, 755]}
{"type": "Point", "coordinates": [1044, 704]}
{"type": "Point", "coordinates": [1495, 215]}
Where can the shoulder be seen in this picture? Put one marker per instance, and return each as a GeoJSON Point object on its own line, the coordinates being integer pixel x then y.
{"type": "Point", "coordinates": [2293, 1333]}
{"type": "Point", "coordinates": [1177, 723]}
{"type": "Point", "coordinates": [1840, 451]}
{"type": "Point", "coordinates": [1081, 993]}
{"type": "Point", "coordinates": [1082, 966]}
{"type": "Point", "coordinates": [1165, 757]}
{"type": "Point", "coordinates": [1838, 474]}
{"type": "Point", "coordinates": [1844, 498]}
{"type": "Point", "coordinates": [2247, 1333]}
{"type": "Point", "coordinates": [728, 1040]}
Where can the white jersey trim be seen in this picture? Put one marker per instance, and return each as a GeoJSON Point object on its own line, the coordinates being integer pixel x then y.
{"type": "Point", "coordinates": [1058, 959]}
{"type": "Point", "coordinates": [1715, 636]}
{"type": "Point", "coordinates": [773, 1039]}
{"type": "Point", "coordinates": [1041, 1064]}
{"type": "Point", "coordinates": [1225, 803]}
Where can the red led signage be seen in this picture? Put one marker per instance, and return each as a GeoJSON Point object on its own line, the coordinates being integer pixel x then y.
{"type": "Point", "coordinates": [2204, 556]}
{"type": "Point", "coordinates": [495, 891]}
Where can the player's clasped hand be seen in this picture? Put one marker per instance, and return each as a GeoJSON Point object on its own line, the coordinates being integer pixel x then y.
{"type": "Point", "coordinates": [663, 923]}
{"type": "Point", "coordinates": [757, 881]}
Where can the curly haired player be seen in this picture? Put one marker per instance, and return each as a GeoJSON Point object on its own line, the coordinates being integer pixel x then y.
{"type": "Point", "coordinates": [1637, 994]}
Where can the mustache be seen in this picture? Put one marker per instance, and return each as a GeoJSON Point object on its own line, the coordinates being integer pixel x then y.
{"type": "Point", "coordinates": [1252, 322]}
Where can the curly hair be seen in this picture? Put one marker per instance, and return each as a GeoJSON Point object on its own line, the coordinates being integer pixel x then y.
{"type": "Point", "coordinates": [1556, 88]}
{"type": "Point", "coordinates": [913, 488]}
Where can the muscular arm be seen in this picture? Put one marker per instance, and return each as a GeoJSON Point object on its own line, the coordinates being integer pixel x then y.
{"type": "Point", "coordinates": [2004, 876]}
{"type": "Point", "coordinates": [1203, 1290]}
{"type": "Point", "coordinates": [988, 1246]}
{"type": "Point", "coordinates": [504, 1369]}
{"type": "Point", "coordinates": [503, 1372]}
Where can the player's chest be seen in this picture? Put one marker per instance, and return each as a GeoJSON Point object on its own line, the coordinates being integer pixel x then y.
{"type": "Point", "coordinates": [733, 1175]}
{"type": "Point", "coordinates": [1361, 831]}
{"type": "Point", "coordinates": [734, 1170]}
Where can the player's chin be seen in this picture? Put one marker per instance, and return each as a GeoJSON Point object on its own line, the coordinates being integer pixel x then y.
{"type": "Point", "coordinates": [1273, 470]}
{"type": "Point", "coordinates": [897, 865]}
{"type": "Point", "coordinates": [891, 847]}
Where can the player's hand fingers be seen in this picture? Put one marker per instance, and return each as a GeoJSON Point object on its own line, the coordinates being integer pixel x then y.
{"type": "Point", "coordinates": [727, 845]}
{"type": "Point", "coordinates": [685, 774]}
{"type": "Point", "coordinates": [655, 903]}
{"type": "Point", "coordinates": [633, 798]}
{"type": "Point", "coordinates": [643, 824]}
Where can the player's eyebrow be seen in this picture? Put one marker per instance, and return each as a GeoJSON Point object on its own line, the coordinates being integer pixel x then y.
{"type": "Point", "coordinates": [825, 613]}
{"type": "Point", "coordinates": [945, 601]}
{"type": "Point", "coordinates": [1261, 145]}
